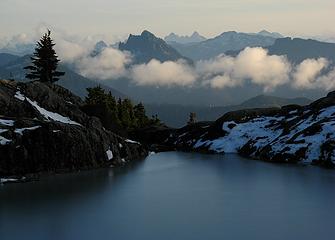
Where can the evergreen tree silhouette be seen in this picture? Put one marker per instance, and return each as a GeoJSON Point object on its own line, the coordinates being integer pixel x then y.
{"type": "Point", "coordinates": [44, 62]}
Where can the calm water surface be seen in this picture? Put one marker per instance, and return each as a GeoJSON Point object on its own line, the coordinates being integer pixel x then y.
{"type": "Point", "coordinates": [175, 196]}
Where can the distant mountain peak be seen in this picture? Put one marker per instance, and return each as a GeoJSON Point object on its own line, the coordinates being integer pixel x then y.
{"type": "Point", "coordinates": [98, 48]}
{"type": "Point", "coordinates": [194, 38]}
{"type": "Point", "coordinates": [195, 34]}
{"type": "Point", "coordinates": [223, 43]}
{"type": "Point", "coordinates": [146, 33]}
{"type": "Point", "coordinates": [264, 32]}
{"type": "Point", "coordinates": [270, 34]}
{"type": "Point", "coordinates": [101, 44]}
{"type": "Point", "coordinates": [147, 46]}
{"type": "Point", "coordinates": [227, 33]}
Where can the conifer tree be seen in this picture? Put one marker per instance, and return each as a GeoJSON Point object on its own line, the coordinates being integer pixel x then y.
{"type": "Point", "coordinates": [121, 113]}
{"type": "Point", "coordinates": [96, 95]}
{"type": "Point", "coordinates": [139, 112]}
{"type": "Point", "coordinates": [44, 62]}
{"type": "Point", "coordinates": [192, 118]}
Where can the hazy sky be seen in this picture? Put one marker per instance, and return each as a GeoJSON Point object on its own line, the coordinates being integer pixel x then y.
{"type": "Point", "coordinates": [209, 17]}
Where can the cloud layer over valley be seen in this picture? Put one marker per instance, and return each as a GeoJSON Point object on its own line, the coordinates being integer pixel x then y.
{"type": "Point", "coordinates": [252, 65]}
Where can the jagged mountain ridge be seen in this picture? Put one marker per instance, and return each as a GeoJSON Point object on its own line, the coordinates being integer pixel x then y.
{"type": "Point", "coordinates": [270, 34]}
{"type": "Point", "coordinates": [227, 41]}
{"type": "Point", "coordinates": [297, 49]}
{"type": "Point", "coordinates": [194, 38]}
{"type": "Point", "coordinates": [147, 46]}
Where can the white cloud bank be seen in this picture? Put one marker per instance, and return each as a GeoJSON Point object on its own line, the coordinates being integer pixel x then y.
{"type": "Point", "coordinates": [252, 64]}
{"type": "Point", "coordinates": [309, 75]}
{"type": "Point", "coordinates": [109, 64]}
{"type": "Point", "coordinates": [163, 73]}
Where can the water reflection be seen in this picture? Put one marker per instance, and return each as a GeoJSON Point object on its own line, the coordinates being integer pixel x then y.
{"type": "Point", "coordinates": [175, 196]}
{"type": "Point", "coordinates": [58, 188]}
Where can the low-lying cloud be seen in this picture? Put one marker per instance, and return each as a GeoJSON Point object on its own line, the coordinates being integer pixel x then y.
{"type": "Point", "coordinates": [163, 73]}
{"type": "Point", "coordinates": [307, 73]}
{"type": "Point", "coordinates": [253, 64]}
{"type": "Point", "coordinates": [109, 64]}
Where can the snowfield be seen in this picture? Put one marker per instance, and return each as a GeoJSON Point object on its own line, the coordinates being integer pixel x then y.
{"type": "Point", "coordinates": [297, 136]}
{"type": "Point", "coordinates": [240, 134]}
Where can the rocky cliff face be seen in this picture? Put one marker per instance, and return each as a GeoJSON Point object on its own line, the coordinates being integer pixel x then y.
{"type": "Point", "coordinates": [291, 134]}
{"type": "Point", "coordinates": [42, 129]}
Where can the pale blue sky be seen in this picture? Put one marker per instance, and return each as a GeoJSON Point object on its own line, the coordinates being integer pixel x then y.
{"type": "Point", "coordinates": [209, 17]}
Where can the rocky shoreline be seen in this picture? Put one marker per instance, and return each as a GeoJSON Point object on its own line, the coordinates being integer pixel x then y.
{"type": "Point", "coordinates": [43, 129]}
{"type": "Point", "coordinates": [291, 134]}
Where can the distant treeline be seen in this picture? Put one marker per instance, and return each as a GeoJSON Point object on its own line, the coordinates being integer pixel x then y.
{"type": "Point", "coordinates": [116, 114]}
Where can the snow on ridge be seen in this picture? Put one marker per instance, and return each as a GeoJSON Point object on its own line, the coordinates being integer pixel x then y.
{"type": "Point", "coordinates": [51, 115]}
{"type": "Point", "coordinates": [241, 133]}
{"type": "Point", "coordinates": [47, 114]}
{"type": "Point", "coordinates": [264, 131]}
{"type": "Point", "coordinates": [325, 119]}
{"type": "Point", "coordinates": [21, 130]}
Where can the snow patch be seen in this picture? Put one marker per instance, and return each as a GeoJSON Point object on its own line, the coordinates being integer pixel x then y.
{"type": "Point", "coordinates": [109, 154]}
{"type": "Point", "coordinates": [5, 122]}
{"type": "Point", "coordinates": [8, 180]}
{"type": "Point", "coordinates": [4, 141]}
{"type": "Point", "coordinates": [21, 130]}
{"type": "Point", "coordinates": [268, 131]}
{"type": "Point", "coordinates": [52, 115]}
{"type": "Point", "coordinates": [131, 141]}
{"type": "Point", "coordinates": [19, 95]}
{"type": "Point", "coordinates": [293, 112]}
{"type": "Point", "coordinates": [256, 129]}
{"type": "Point", "coordinates": [3, 130]}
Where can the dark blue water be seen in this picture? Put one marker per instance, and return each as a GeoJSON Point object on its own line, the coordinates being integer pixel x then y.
{"type": "Point", "coordinates": [175, 196]}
